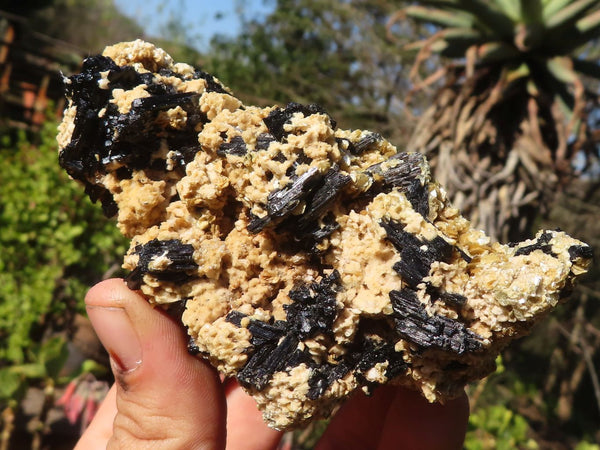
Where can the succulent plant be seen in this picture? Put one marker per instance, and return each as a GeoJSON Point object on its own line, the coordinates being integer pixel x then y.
{"type": "Point", "coordinates": [513, 109]}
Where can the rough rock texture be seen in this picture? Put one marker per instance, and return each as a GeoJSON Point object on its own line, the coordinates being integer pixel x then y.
{"type": "Point", "coordinates": [308, 261]}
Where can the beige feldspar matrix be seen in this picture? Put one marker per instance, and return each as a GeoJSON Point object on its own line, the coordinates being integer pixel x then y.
{"type": "Point", "coordinates": [304, 260]}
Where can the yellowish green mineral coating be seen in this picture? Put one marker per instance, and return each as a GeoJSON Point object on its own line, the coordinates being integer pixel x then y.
{"type": "Point", "coordinates": [311, 261]}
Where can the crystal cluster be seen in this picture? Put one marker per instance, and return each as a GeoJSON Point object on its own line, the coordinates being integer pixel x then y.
{"type": "Point", "coordinates": [304, 260]}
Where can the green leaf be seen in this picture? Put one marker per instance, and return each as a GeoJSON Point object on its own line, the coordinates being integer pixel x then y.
{"type": "Point", "coordinates": [451, 42]}
{"type": "Point", "coordinates": [500, 367]}
{"type": "Point", "coordinates": [53, 241]}
{"type": "Point", "coordinates": [562, 69]}
{"type": "Point", "coordinates": [531, 12]}
{"type": "Point", "coordinates": [501, 427]}
{"type": "Point", "coordinates": [53, 354]}
{"type": "Point", "coordinates": [551, 7]}
{"type": "Point", "coordinates": [10, 384]}
{"type": "Point", "coordinates": [496, 51]}
{"type": "Point", "coordinates": [583, 445]}
{"type": "Point", "coordinates": [487, 14]}
{"type": "Point", "coordinates": [439, 17]}
{"type": "Point", "coordinates": [556, 44]}
{"type": "Point", "coordinates": [489, 18]}
{"type": "Point", "coordinates": [512, 8]}
{"type": "Point", "coordinates": [441, 3]}
{"type": "Point", "coordinates": [30, 370]}
{"type": "Point", "coordinates": [589, 22]}
{"type": "Point", "coordinates": [570, 13]}
{"type": "Point", "coordinates": [91, 366]}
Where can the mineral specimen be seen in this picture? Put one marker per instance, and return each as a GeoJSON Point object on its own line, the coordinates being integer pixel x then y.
{"type": "Point", "coordinates": [308, 261]}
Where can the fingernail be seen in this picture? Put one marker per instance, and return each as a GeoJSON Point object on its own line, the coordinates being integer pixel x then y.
{"type": "Point", "coordinates": [116, 332]}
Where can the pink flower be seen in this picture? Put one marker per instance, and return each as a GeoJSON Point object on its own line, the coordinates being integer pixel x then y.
{"type": "Point", "coordinates": [82, 398]}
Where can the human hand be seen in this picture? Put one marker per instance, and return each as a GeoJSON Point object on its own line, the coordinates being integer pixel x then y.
{"type": "Point", "coordinates": [165, 398]}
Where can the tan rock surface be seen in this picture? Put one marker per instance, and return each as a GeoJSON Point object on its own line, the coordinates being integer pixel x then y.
{"type": "Point", "coordinates": [312, 261]}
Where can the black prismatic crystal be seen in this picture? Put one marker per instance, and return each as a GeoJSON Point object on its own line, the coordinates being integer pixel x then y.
{"type": "Point", "coordinates": [365, 143]}
{"type": "Point", "coordinates": [580, 251]}
{"type": "Point", "coordinates": [276, 345]}
{"type": "Point", "coordinates": [263, 141]}
{"type": "Point", "coordinates": [360, 358]}
{"type": "Point", "coordinates": [542, 243]}
{"type": "Point", "coordinates": [282, 202]}
{"type": "Point", "coordinates": [314, 193]}
{"type": "Point", "coordinates": [416, 255]}
{"type": "Point", "coordinates": [277, 118]}
{"type": "Point", "coordinates": [103, 136]}
{"type": "Point", "coordinates": [449, 298]}
{"type": "Point", "coordinates": [271, 358]}
{"type": "Point", "coordinates": [180, 263]}
{"type": "Point", "coordinates": [332, 184]}
{"type": "Point", "coordinates": [313, 309]}
{"type": "Point", "coordinates": [403, 171]}
{"type": "Point", "coordinates": [415, 325]}
{"type": "Point", "coordinates": [236, 147]}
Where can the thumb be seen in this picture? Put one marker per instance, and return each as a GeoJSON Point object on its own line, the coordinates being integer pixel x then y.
{"type": "Point", "coordinates": [165, 398]}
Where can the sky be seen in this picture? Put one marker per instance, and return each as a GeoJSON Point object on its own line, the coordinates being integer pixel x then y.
{"type": "Point", "coordinates": [204, 18]}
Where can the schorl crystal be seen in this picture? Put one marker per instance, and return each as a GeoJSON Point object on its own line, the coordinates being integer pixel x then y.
{"type": "Point", "coordinates": [270, 358]}
{"type": "Point", "coordinates": [415, 325]}
{"type": "Point", "coordinates": [103, 136]}
{"type": "Point", "coordinates": [314, 308]}
{"type": "Point", "coordinates": [166, 260]}
{"type": "Point", "coordinates": [364, 143]}
{"type": "Point", "coordinates": [275, 344]}
{"type": "Point", "coordinates": [279, 117]}
{"type": "Point", "coordinates": [542, 243]}
{"type": "Point", "coordinates": [282, 202]}
{"type": "Point", "coordinates": [580, 251]}
{"type": "Point", "coordinates": [333, 182]}
{"type": "Point", "coordinates": [236, 147]}
{"type": "Point", "coordinates": [416, 255]}
{"type": "Point", "coordinates": [403, 171]}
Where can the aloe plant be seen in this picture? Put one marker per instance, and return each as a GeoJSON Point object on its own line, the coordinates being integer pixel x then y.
{"type": "Point", "coordinates": [511, 113]}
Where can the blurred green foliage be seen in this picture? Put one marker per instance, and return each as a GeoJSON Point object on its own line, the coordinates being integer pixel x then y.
{"type": "Point", "coordinates": [497, 427]}
{"type": "Point", "coordinates": [47, 360]}
{"type": "Point", "coordinates": [584, 445]}
{"type": "Point", "coordinates": [54, 245]}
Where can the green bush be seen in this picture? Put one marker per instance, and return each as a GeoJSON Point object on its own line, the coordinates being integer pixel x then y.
{"type": "Point", "coordinates": [53, 245]}
{"type": "Point", "coordinates": [497, 427]}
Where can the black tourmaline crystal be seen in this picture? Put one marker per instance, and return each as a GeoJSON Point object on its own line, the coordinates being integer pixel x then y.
{"type": "Point", "coordinates": [313, 309]}
{"type": "Point", "coordinates": [416, 255]}
{"type": "Point", "coordinates": [275, 345]}
{"type": "Point", "coordinates": [542, 243]}
{"type": "Point", "coordinates": [365, 143]}
{"type": "Point", "coordinates": [236, 147]}
{"type": "Point", "coordinates": [417, 326]}
{"type": "Point", "coordinates": [178, 268]}
{"type": "Point", "coordinates": [276, 120]}
{"type": "Point", "coordinates": [404, 172]}
{"type": "Point", "coordinates": [104, 137]}
{"type": "Point", "coordinates": [282, 202]}
{"type": "Point", "coordinates": [315, 191]}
